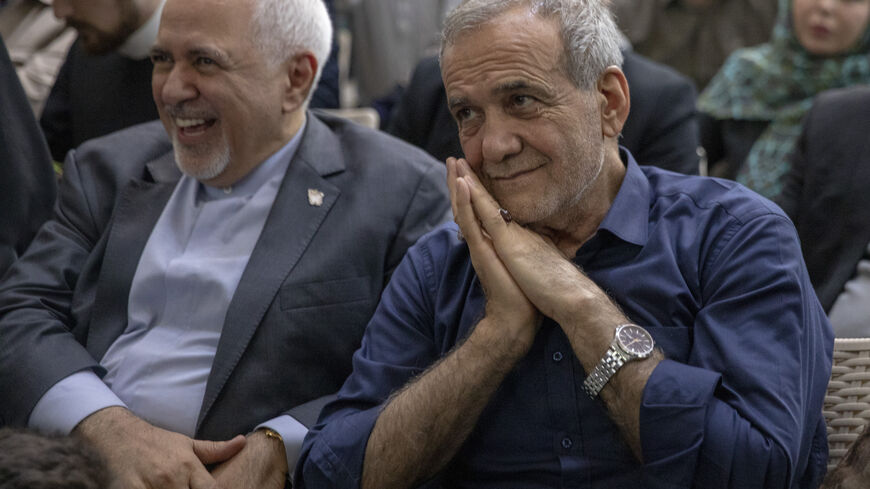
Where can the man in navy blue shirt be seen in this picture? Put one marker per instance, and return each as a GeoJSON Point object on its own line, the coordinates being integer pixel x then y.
{"type": "Point", "coordinates": [595, 323]}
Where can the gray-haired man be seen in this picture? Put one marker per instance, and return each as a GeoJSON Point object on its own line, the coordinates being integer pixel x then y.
{"type": "Point", "coordinates": [159, 308]}
{"type": "Point", "coordinates": [523, 355]}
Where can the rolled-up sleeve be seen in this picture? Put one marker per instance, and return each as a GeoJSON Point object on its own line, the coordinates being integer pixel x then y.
{"type": "Point", "coordinates": [745, 410]}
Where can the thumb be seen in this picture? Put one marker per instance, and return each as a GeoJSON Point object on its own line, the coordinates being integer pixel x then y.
{"type": "Point", "coordinates": [213, 452]}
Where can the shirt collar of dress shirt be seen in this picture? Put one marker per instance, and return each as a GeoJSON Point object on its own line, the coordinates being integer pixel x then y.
{"type": "Point", "coordinates": [265, 171]}
{"type": "Point", "coordinates": [140, 42]}
{"type": "Point", "coordinates": [628, 215]}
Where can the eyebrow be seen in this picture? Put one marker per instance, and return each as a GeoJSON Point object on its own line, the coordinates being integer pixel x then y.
{"type": "Point", "coordinates": [215, 54]}
{"type": "Point", "coordinates": [219, 56]}
{"type": "Point", "coordinates": [156, 50]}
{"type": "Point", "coordinates": [454, 102]}
{"type": "Point", "coordinates": [504, 87]}
{"type": "Point", "coordinates": [513, 85]}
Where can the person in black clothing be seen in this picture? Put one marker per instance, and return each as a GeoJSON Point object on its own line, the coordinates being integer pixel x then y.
{"type": "Point", "coordinates": [27, 183]}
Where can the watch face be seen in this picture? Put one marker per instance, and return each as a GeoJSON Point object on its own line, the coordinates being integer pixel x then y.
{"type": "Point", "coordinates": [634, 340]}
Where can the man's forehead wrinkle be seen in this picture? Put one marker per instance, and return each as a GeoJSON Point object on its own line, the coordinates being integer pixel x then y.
{"type": "Point", "coordinates": [497, 62]}
{"type": "Point", "coordinates": [504, 78]}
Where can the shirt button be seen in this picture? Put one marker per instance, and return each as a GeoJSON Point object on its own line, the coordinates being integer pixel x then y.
{"type": "Point", "coordinates": [557, 357]}
{"type": "Point", "coordinates": [567, 443]}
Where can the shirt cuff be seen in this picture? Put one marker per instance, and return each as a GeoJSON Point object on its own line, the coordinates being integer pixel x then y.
{"type": "Point", "coordinates": [292, 432]}
{"type": "Point", "coordinates": [673, 414]}
{"type": "Point", "coordinates": [70, 401]}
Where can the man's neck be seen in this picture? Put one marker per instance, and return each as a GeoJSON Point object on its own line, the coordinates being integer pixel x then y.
{"type": "Point", "coordinates": [571, 229]}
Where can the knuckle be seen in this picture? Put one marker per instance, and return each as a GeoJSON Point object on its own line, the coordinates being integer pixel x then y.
{"type": "Point", "coordinates": [162, 477]}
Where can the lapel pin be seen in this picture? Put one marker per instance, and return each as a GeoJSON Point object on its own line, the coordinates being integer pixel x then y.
{"type": "Point", "coordinates": [315, 197]}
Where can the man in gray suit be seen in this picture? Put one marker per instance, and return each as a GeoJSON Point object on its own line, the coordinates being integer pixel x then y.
{"type": "Point", "coordinates": [159, 308]}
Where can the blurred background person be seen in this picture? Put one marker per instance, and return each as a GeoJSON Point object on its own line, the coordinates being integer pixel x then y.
{"type": "Point", "coordinates": [37, 43]}
{"type": "Point", "coordinates": [694, 36]}
{"type": "Point", "coordinates": [389, 38]}
{"type": "Point", "coordinates": [751, 112]}
{"type": "Point", "coordinates": [825, 194]}
{"type": "Point", "coordinates": [105, 82]}
{"type": "Point", "coordinates": [27, 182]}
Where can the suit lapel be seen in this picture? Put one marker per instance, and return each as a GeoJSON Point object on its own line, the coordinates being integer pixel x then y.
{"type": "Point", "coordinates": [139, 207]}
{"type": "Point", "coordinates": [289, 229]}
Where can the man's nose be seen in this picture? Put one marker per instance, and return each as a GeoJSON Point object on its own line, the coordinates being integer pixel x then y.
{"type": "Point", "coordinates": [62, 9]}
{"type": "Point", "coordinates": [177, 86]}
{"type": "Point", "coordinates": [498, 139]}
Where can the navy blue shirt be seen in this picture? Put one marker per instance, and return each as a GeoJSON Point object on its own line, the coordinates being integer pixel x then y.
{"type": "Point", "coordinates": [713, 271]}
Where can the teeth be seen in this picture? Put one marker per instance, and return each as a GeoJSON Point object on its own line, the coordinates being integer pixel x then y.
{"type": "Point", "coordinates": [189, 122]}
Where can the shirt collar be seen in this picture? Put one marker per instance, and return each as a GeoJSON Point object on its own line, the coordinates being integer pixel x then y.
{"type": "Point", "coordinates": [270, 168]}
{"type": "Point", "coordinates": [628, 216]}
{"type": "Point", "coordinates": [140, 42]}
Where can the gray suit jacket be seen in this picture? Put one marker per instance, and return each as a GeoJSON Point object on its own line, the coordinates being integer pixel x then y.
{"type": "Point", "coordinates": [312, 282]}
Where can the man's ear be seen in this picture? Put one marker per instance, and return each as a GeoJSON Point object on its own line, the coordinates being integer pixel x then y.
{"type": "Point", "coordinates": [300, 78]}
{"type": "Point", "coordinates": [615, 101]}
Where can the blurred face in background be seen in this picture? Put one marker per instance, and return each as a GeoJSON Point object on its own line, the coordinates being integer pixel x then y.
{"type": "Point", "coordinates": [830, 27]}
{"type": "Point", "coordinates": [103, 25]}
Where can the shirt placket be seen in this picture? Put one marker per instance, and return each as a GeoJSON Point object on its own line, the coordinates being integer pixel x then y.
{"type": "Point", "coordinates": [561, 367]}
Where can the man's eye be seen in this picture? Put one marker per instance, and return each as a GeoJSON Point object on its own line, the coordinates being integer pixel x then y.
{"type": "Point", "coordinates": [202, 60]}
{"type": "Point", "coordinates": [157, 58]}
{"type": "Point", "coordinates": [463, 114]}
{"type": "Point", "coordinates": [522, 100]}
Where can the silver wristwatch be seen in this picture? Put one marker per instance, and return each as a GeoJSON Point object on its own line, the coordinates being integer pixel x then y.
{"type": "Point", "coordinates": [631, 342]}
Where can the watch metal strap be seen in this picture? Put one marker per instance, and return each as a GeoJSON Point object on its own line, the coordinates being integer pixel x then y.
{"type": "Point", "coordinates": [601, 374]}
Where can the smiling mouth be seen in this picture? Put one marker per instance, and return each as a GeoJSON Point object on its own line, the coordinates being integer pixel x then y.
{"type": "Point", "coordinates": [515, 174]}
{"type": "Point", "coordinates": [191, 127]}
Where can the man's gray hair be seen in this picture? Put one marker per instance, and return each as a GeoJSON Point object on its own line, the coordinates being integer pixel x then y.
{"type": "Point", "coordinates": [283, 28]}
{"type": "Point", "coordinates": [590, 38]}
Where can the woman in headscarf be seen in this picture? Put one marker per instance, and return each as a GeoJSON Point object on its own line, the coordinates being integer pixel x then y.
{"type": "Point", "coordinates": [751, 112]}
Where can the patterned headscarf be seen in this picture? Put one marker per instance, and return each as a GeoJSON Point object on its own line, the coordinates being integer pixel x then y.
{"type": "Point", "coordinates": [776, 82]}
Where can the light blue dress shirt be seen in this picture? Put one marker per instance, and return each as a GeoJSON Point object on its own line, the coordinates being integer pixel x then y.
{"type": "Point", "coordinates": [183, 285]}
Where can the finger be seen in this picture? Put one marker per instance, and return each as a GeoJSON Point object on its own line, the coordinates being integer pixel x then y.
{"type": "Point", "coordinates": [212, 452]}
{"type": "Point", "coordinates": [481, 199]}
{"type": "Point", "coordinates": [452, 175]}
{"type": "Point", "coordinates": [463, 169]}
{"type": "Point", "coordinates": [201, 479]}
{"type": "Point", "coordinates": [486, 262]}
{"type": "Point", "coordinates": [465, 216]}
{"type": "Point", "coordinates": [485, 208]}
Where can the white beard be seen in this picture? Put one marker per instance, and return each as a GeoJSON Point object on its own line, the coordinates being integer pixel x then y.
{"type": "Point", "coordinates": [201, 166]}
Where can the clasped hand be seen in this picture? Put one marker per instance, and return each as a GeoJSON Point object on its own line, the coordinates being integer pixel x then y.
{"type": "Point", "coordinates": [521, 271]}
{"type": "Point", "coordinates": [140, 455]}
